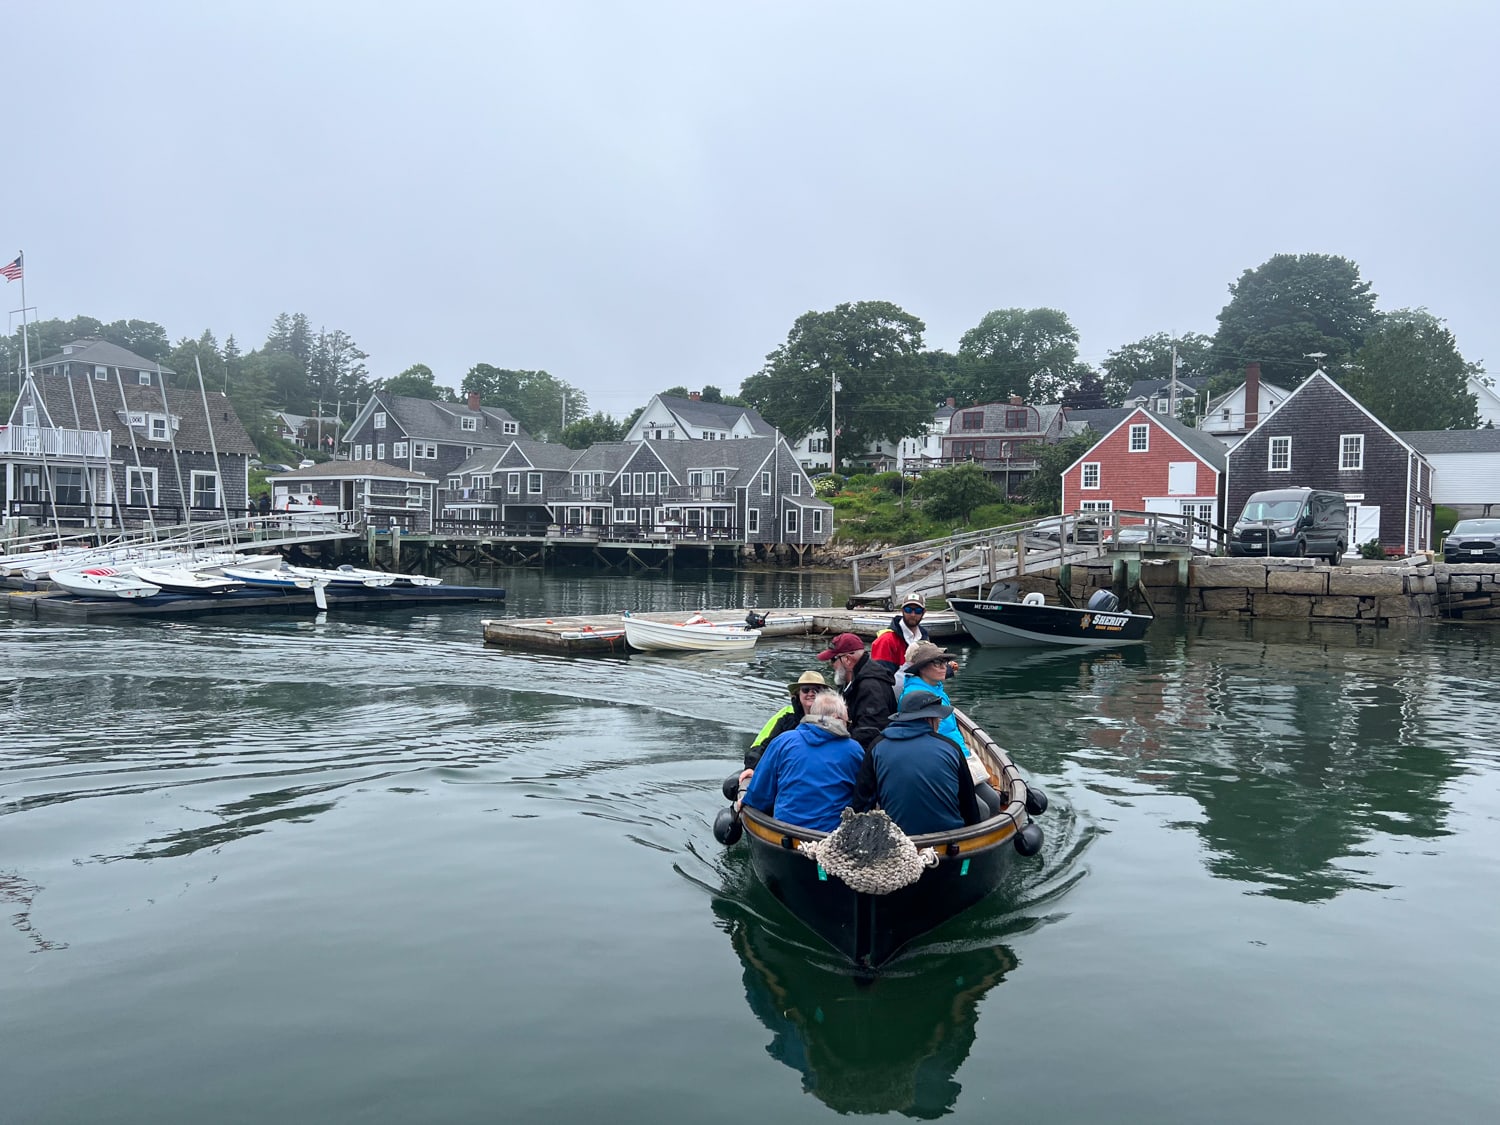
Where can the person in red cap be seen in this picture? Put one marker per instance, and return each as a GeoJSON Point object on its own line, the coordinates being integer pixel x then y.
{"type": "Point", "coordinates": [868, 685]}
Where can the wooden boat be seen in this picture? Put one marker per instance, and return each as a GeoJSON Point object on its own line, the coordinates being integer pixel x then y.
{"type": "Point", "coordinates": [103, 582]}
{"type": "Point", "coordinates": [1031, 622]}
{"type": "Point", "coordinates": [869, 929]}
{"type": "Point", "coordinates": [697, 634]}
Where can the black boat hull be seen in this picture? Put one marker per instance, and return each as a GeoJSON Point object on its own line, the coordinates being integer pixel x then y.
{"type": "Point", "coordinates": [871, 929]}
{"type": "Point", "coordinates": [1015, 625]}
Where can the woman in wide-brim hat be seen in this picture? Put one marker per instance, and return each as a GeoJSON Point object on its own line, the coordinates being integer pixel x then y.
{"type": "Point", "coordinates": [926, 669]}
{"type": "Point", "coordinates": [804, 689]}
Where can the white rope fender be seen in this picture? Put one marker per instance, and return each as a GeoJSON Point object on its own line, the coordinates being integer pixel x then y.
{"type": "Point", "coordinates": [870, 853]}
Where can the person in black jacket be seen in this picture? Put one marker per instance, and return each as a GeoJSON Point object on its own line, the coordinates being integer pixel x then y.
{"type": "Point", "coordinates": [908, 623]}
{"type": "Point", "coordinates": [916, 775]}
{"type": "Point", "coordinates": [869, 686]}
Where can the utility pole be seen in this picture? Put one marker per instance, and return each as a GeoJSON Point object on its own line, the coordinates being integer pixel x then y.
{"type": "Point", "coordinates": [1172, 389]}
{"type": "Point", "coordinates": [833, 423]}
{"type": "Point", "coordinates": [564, 415]}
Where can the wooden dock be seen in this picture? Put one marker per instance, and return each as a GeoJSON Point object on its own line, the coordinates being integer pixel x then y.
{"type": "Point", "coordinates": [604, 634]}
{"type": "Point", "coordinates": [50, 603]}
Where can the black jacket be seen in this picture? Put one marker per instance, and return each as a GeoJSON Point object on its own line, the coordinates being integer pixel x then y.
{"type": "Point", "coordinates": [871, 699]}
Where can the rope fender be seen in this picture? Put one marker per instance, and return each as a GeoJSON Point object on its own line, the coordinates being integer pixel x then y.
{"type": "Point", "coordinates": [870, 853]}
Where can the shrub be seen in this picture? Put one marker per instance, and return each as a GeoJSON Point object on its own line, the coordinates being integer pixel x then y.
{"type": "Point", "coordinates": [859, 482]}
{"type": "Point", "coordinates": [956, 493]}
{"type": "Point", "coordinates": [888, 482]}
{"type": "Point", "coordinates": [1371, 550]}
{"type": "Point", "coordinates": [827, 486]}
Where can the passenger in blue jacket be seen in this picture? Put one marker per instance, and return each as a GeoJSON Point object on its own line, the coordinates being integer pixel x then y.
{"type": "Point", "coordinates": [916, 775]}
{"type": "Point", "coordinates": [806, 776]}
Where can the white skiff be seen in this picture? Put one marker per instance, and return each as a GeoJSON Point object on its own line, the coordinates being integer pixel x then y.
{"type": "Point", "coordinates": [694, 635]}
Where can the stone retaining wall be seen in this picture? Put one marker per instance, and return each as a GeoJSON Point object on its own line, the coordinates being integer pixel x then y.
{"type": "Point", "coordinates": [1292, 589]}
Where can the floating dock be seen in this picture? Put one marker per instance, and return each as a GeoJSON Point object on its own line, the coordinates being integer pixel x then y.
{"type": "Point", "coordinates": [602, 634]}
{"type": "Point", "coordinates": [249, 600]}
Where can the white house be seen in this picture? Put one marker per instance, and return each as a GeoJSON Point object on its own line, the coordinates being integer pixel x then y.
{"type": "Point", "coordinates": [1465, 467]}
{"type": "Point", "coordinates": [1489, 401]}
{"type": "Point", "coordinates": [672, 418]}
{"type": "Point", "coordinates": [1231, 416]}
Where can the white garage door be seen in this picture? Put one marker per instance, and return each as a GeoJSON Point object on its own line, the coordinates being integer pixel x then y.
{"type": "Point", "coordinates": [1364, 525]}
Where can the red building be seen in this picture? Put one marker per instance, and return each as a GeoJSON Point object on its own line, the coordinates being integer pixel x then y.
{"type": "Point", "coordinates": [1149, 463]}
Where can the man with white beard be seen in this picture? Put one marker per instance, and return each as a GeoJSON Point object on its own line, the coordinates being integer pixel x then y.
{"type": "Point", "coordinates": [868, 686]}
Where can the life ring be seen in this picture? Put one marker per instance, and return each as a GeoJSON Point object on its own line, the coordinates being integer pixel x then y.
{"type": "Point", "coordinates": [1034, 598]}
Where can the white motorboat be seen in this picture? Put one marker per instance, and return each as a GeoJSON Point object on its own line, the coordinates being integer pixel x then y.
{"type": "Point", "coordinates": [697, 634]}
{"type": "Point", "coordinates": [103, 582]}
{"type": "Point", "coordinates": [347, 573]}
{"type": "Point", "coordinates": [181, 580]}
{"type": "Point", "coordinates": [280, 579]}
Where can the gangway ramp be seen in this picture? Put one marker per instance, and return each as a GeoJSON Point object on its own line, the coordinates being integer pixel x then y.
{"type": "Point", "coordinates": [969, 561]}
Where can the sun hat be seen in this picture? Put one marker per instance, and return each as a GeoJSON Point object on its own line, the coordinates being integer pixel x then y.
{"type": "Point", "coordinates": [921, 705]}
{"type": "Point", "coordinates": [843, 644]}
{"type": "Point", "coordinates": [813, 678]}
{"type": "Point", "coordinates": [914, 599]}
{"type": "Point", "coordinates": [924, 652]}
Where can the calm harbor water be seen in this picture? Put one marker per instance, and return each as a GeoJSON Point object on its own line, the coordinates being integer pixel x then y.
{"type": "Point", "coordinates": [363, 869]}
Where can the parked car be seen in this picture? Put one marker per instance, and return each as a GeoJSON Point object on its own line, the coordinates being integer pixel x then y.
{"type": "Point", "coordinates": [1301, 522]}
{"type": "Point", "coordinates": [306, 463]}
{"type": "Point", "coordinates": [277, 467]}
{"type": "Point", "coordinates": [1473, 541]}
{"type": "Point", "coordinates": [1144, 533]}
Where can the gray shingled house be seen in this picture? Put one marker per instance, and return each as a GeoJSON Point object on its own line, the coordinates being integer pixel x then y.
{"type": "Point", "coordinates": [430, 437]}
{"type": "Point", "coordinates": [95, 437]}
{"type": "Point", "coordinates": [383, 496]}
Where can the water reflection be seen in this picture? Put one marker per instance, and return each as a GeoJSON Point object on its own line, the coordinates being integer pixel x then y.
{"type": "Point", "coordinates": [891, 1044]}
{"type": "Point", "coordinates": [1299, 744]}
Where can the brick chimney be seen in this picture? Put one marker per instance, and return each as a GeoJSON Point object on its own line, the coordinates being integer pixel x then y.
{"type": "Point", "coordinates": [694, 396]}
{"type": "Point", "coordinates": [1015, 400]}
{"type": "Point", "coordinates": [473, 400]}
{"type": "Point", "coordinates": [1252, 395]}
{"type": "Point", "coordinates": [950, 402]}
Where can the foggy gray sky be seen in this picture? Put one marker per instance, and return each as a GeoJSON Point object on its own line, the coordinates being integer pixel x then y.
{"type": "Point", "coordinates": [636, 195]}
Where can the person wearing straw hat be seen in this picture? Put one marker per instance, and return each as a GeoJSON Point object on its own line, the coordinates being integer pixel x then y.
{"type": "Point", "coordinates": [804, 689]}
{"type": "Point", "coordinates": [915, 774]}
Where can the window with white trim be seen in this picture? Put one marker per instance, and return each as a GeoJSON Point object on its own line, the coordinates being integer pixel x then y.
{"type": "Point", "coordinates": [424, 449]}
{"type": "Point", "coordinates": [143, 378]}
{"type": "Point", "coordinates": [1096, 505]}
{"type": "Point", "coordinates": [513, 483]}
{"type": "Point", "coordinates": [533, 484]}
{"type": "Point", "coordinates": [796, 484]}
{"type": "Point", "coordinates": [205, 490]}
{"type": "Point", "coordinates": [640, 483]}
{"type": "Point", "coordinates": [101, 373]}
{"type": "Point", "coordinates": [663, 482]}
{"type": "Point", "coordinates": [695, 478]}
{"type": "Point", "coordinates": [1089, 478]}
{"type": "Point", "coordinates": [791, 521]}
{"type": "Point", "coordinates": [399, 450]}
{"type": "Point", "coordinates": [765, 484]}
{"type": "Point", "coordinates": [1351, 451]}
{"type": "Point", "coordinates": [650, 484]}
{"type": "Point", "coordinates": [624, 515]}
{"type": "Point", "coordinates": [158, 428]}
{"type": "Point", "coordinates": [1279, 457]}
{"type": "Point", "coordinates": [817, 521]}
{"type": "Point", "coordinates": [625, 485]}
{"type": "Point", "coordinates": [752, 521]}
{"type": "Point", "coordinates": [509, 427]}
{"type": "Point", "coordinates": [140, 486]}
{"type": "Point", "coordinates": [468, 422]}
{"type": "Point", "coordinates": [380, 451]}
{"type": "Point", "coordinates": [481, 480]}
{"type": "Point", "coordinates": [1140, 438]}
{"type": "Point", "coordinates": [379, 422]}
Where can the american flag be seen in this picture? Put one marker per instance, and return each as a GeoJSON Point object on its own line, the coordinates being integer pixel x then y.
{"type": "Point", "coordinates": [12, 272]}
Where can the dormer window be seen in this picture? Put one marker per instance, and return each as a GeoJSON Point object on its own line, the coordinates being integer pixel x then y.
{"type": "Point", "coordinates": [468, 422]}
{"type": "Point", "coordinates": [158, 428]}
{"type": "Point", "coordinates": [101, 373]}
{"type": "Point", "coordinates": [144, 378]}
{"type": "Point", "coordinates": [510, 427]}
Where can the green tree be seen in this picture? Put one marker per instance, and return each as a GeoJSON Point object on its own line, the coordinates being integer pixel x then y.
{"type": "Point", "coordinates": [1290, 306]}
{"type": "Point", "coordinates": [1044, 487]}
{"type": "Point", "coordinates": [955, 493]}
{"type": "Point", "coordinates": [417, 381]}
{"type": "Point", "coordinates": [1150, 358]}
{"type": "Point", "coordinates": [871, 350]}
{"type": "Point", "coordinates": [1028, 352]}
{"type": "Point", "coordinates": [1411, 376]}
{"type": "Point", "coordinates": [597, 427]}
{"type": "Point", "coordinates": [1088, 394]}
{"type": "Point", "coordinates": [337, 371]}
{"type": "Point", "coordinates": [145, 338]}
{"type": "Point", "coordinates": [535, 399]}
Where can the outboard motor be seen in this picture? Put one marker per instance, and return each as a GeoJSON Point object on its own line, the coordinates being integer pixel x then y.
{"type": "Point", "coordinates": [755, 620]}
{"type": "Point", "coordinates": [1104, 601]}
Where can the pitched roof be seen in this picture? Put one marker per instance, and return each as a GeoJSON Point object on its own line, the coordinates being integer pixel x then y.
{"type": "Point", "coordinates": [354, 470]}
{"type": "Point", "coordinates": [1145, 388]}
{"type": "Point", "coordinates": [546, 454]}
{"type": "Point", "coordinates": [100, 352]}
{"type": "Point", "coordinates": [1312, 379]}
{"type": "Point", "coordinates": [197, 432]}
{"type": "Point", "coordinates": [439, 421]}
{"type": "Point", "coordinates": [603, 456]}
{"type": "Point", "coordinates": [1205, 445]}
{"type": "Point", "coordinates": [1101, 421]}
{"type": "Point", "coordinates": [718, 415]}
{"type": "Point", "coordinates": [1453, 441]}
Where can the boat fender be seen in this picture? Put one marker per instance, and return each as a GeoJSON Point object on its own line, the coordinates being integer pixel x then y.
{"type": "Point", "coordinates": [1029, 840]}
{"type": "Point", "coordinates": [727, 826]}
{"type": "Point", "coordinates": [1036, 801]}
{"type": "Point", "coordinates": [993, 803]}
{"type": "Point", "coordinates": [1034, 598]}
{"type": "Point", "coordinates": [731, 786]}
